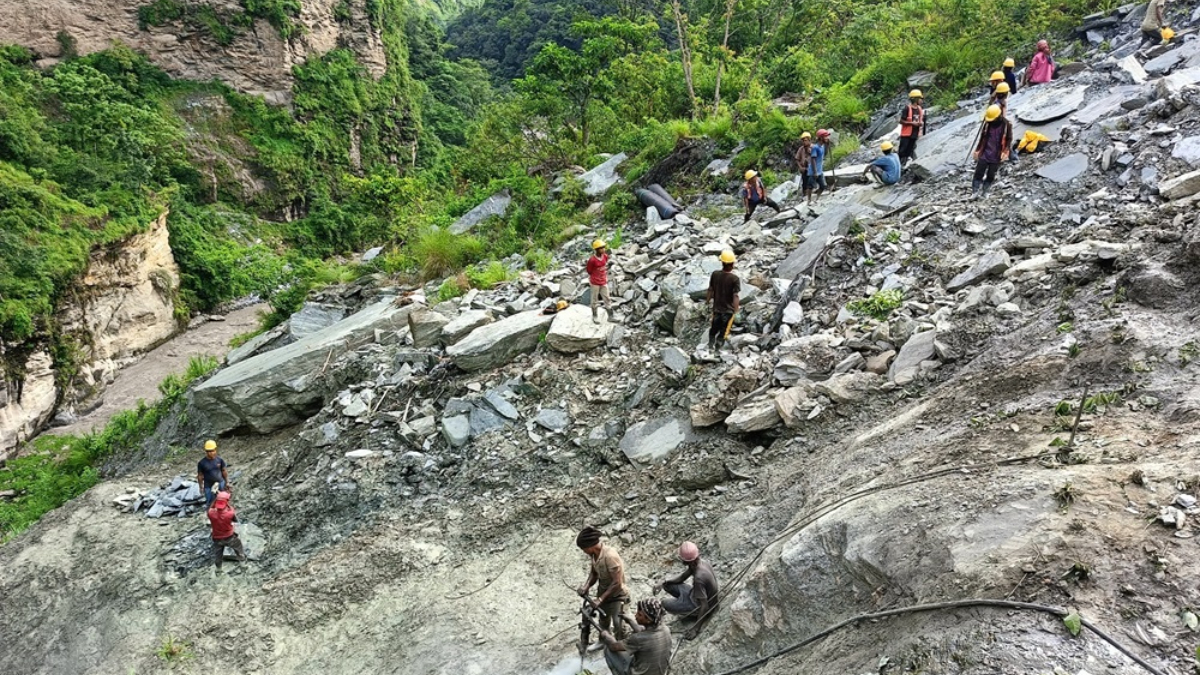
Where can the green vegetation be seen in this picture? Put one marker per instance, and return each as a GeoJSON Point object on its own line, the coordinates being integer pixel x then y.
{"type": "Point", "coordinates": [222, 26]}
{"type": "Point", "coordinates": [879, 306]}
{"type": "Point", "coordinates": [174, 650]}
{"type": "Point", "coordinates": [62, 467]}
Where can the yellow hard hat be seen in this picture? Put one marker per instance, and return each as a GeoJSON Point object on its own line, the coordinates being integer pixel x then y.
{"type": "Point", "coordinates": [992, 113]}
{"type": "Point", "coordinates": [885, 146]}
{"type": "Point", "coordinates": [1167, 33]}
{"type": "Point", "coordinates": [599, 243]}
{"type": "Point", "coordinates": [1003, 88]}
{"type": "Point", "coordinates": [997, 75]}
{"type": "Point", "coordinates": [805, 135]}
{"type": "Point", "coordinates": [210, 445]}
{"type": "Point", "coordinates": [1010, 63]}
{"type": "Point", "coordinates": [751, 173]}
{"type": "Point", "coordinates": [728, 257]}
{"type": "Point", "coordinates": [916, 93]}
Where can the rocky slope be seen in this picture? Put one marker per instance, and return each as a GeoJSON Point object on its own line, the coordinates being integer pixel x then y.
{"type": "Point", "coordinates": [257, 60]}
{"type": "Point", "coordinates": [417, 469]}
{"type": "Point", "coordinates": [122, 306]}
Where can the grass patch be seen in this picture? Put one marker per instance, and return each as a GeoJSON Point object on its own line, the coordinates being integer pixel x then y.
{"type": "Point", "coordinates": [879, 306]}
{"type": "Point", "coordinates": [174, 650]}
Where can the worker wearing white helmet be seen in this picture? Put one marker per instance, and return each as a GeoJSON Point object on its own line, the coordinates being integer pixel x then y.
{"type": "Point", "coordinates": [698, 599]}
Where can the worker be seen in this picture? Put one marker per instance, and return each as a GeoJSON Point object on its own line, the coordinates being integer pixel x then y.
{"type": "Point", "coordinates": [724, 292]}
{"type": "Point", "coordinates": [221, 517]}
{"type": "Point", "coordinates": [912, 126]}
{"type": "Point", "coordinates": [597, 269]}
{"type": "Point", "coordinates": [884, 169]}
{"type": "Point", "coordinates": [815, 178]}
{"type": "Point", "coordinates": [1009, 76]}
{"type": "Point", "coordinates": [1000, 96]}
{"type": "Point", "coordinates": [1041, 67]}
{"type": "Point", "coordinates": [698, 599]}
{"type": "Point", "coordinates": [1153, 24]}
{"type": "Point", "coordinates": [804, 160]}
{"type": "Point", "coordinates": [608, 575]}
{"type": "Point", "coordinates": [992, 149]}
{"type": "Point", "coordinates": [211, 473]}
{"type": "Point", "coordinates": [647, 651]}
{"type": "Point", "coordinates": [996, 78]}
{"type": "Point", "coordinates": [755, 193]}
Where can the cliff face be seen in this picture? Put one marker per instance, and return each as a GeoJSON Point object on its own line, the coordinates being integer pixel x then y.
{"type": "Point", "coordinates": [121, 307]}
{"type": "Point", "coordinates": [255, 60]}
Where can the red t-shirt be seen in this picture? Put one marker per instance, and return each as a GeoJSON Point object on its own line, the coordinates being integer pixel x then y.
{"type": "Point", "coordinates": [222, 521]}
{"type": "Point", "coordinates": [597, 269]}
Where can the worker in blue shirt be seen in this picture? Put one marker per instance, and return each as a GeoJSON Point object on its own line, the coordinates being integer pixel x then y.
{"type": "Point", "coordinates": [885, 169]}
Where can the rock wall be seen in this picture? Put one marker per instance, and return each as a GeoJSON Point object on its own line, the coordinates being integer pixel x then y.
{"type": "Point", "coordinates": [257, 61]}
{"type": "Point", "coordinates": [121, 307]}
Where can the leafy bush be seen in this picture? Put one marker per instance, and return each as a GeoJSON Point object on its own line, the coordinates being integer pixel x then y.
{"type": "Point", "coordinates": [452, 287]}
{"type": "Point", "coordinates": [879, 306]}
{"type": "Point", "coordinates": [488, 276]}
{"type": "Point", "coordinates": [540, 260]}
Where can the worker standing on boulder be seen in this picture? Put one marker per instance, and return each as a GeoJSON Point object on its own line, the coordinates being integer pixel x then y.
{"type": "Point", "coordinates": [884, 169]}
{"type": "Point", "coordinates": [912, 126]}
{"type": "Point", "coordinates": [1153, 24]}
{"type": "Point", "coordinates": [994, 142]}
{"type": "Point", "coordinates": [221, 518]}
{"type": "Point", "coordinates": [1009, 76]}
{"type": "Point", "coordinates": [597, 269]}
{"type": "Point", "coordinates": [724, 292]}
{"type": "Point", "coordinates": [698, 599]}
{"type": "Point", "coordinates": [210, 473]}
{"type": "Point", "coordinates": [1041, 67]}
{"type": "Point", "coordinates": [608, 571]}
{"type": "Point", "coordinates": [647, 651]}
{"type": "Point", "coordinates": [755, 193]}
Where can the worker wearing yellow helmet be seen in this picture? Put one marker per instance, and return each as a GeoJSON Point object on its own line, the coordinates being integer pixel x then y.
{"type": "Point", "coordinates": [912, 126]}
{"type": "Point", "coordinates": [1010, 77]}
{"type": "Point", "coordinates": [885, 169]}
{"type": "Point", "coordinates": [597, 269]}
{"type": "Point", "coordinates": [724, 292]}
{"type": "Point", "coordinates": [995, 139]}
{"type": "Point", "coordinates": [754, 193]}
{"type": "Point", "coordinates": [1155, 24]}
{"type": "Point", "coordinates": [804, 163]}
{"type": "Point", "coordinates": [211, 473]}
{"type": "Point", "coordinates": [1000, 95]}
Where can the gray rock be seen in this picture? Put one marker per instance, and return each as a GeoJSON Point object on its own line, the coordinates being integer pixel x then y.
{"type": "Point", "coordinates": [254, 542]}
{"type": "Point", "coordinates": [991, 264]}
{"type": "Point", "coordinates": [758, 414]}
{"type": "Point", "coordinates": [426, 326]}
{"type": "Point", "coordinates": [945, 147]}
{"type": "Point", "coordinates": [598, 180]}
{"type": "Point", "coordinates": [498, 343]}
{"type": "Point", "coordinates": [1046, 103]}
{"type": "Point", "coordinates": [279, 388]}
{"type": "Point", "coordinates": [1132, 69]}
{"type": "Point", "coordinates": [907, 365]}
{"type": "Point", "coordinates": [329, 435]}
{"type": "Point", "coordinates": [483, 420]}
{"type": "Point", "coordinates": [573, 331]}
{"type": "Point", "coordinates": [1179, 187]}
{"type": "Point", "coordinates": [922, 79]}
{"type": "Point", "coordinates": [501, 405]}
{"type": "Point", "coordinates": [879, 363]}
{"type": "Point", "coordinates": [554, 420]}
{"type": "Point", "coordinates": [793, 314]}
{"type": "Point", "coordinates": [423, 427]}
{"type": "Point", "coordinates": [690, 280]}
{"type": "Point", "coordinates": [461, 326]}
{"type": "Point", "coordinates": [1188, 149]}
{"type": "Point", "coordinates": [849, 387]}
{"type": "Point", "coordinates": [784, 190]}
{"type": "Point", "coordinates": [313, 317]}
{"type": "Point", "coordinates": [372, 253]}
{"type": "Point", "coordinates": [654, 440]}
{"type": "Point", "coordinates": [496, 205]}
{"type": "Point", "coordinates": [835, 221]}
{"type": "Point", "coordinates": [676, 360]}
{"type": "Point", "coordinates": [355, 407]}
{"type": "Point", "coordinates": [456, 430]}
{"type": "Point", "coordinates": [255, 345]}
{"type": "Point", "coordinates": [1066, 169]}
{"type": "Point", "coordinates": [1008, 309]}
{"type": "Point", "coordinates": [1174, 84]}
{"type": "Point", "coordinates": [192, 493]}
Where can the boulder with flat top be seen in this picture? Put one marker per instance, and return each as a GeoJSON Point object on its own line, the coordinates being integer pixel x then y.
{"type": "Point", "coordinates": [498, 343]}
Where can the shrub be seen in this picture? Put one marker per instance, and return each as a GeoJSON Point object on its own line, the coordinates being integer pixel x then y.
{"type": "Point", "coordinates": [487, 276]}
{"type": "Point", "coordinates": [452, 288]}
{"type": "Point", "coordinates": [440, 252]}
{"type": "Point", "coordinates": [879, 306]}
{"type": "Point", "coordinates": [540, 260]}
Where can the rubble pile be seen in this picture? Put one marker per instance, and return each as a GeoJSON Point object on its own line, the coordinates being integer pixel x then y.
{"type": "Point", "coordinates": [181, 498]}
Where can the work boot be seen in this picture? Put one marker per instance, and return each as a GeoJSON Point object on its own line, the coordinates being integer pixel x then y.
{"type": "Point", "coordinates": [976, 184]}
{"type": "Point", "coordinates": [983, 192]}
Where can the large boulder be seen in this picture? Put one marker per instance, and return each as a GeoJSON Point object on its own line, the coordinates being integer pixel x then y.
{"type": "Point", "coordinates": [312, 317]}
{"type": "Point", "coordinates": [1066, 169]}
{"type": "Point", "coordinates": [496, 344]}
{"type": "Point", "coordinates": [279, 388]}
{"type": "Point", "coordinates": [574, 331]}
{"type": "Point", "coordinates": [835, 221]}
{"type": "Point", "coordinates": [597, 181]}
{"type": "Point", "coordinates": [917, 349]}
{"type": "Point", "coordinates": [496, 205]}
{"type": "Point", "coordinates": [426, 327]}
{"type": "Point", "coordinates": [462, 325]}
{"type": "Point", "coordinates": [1180, 186]}
{"type": "Point", "coordinates": [654, 440]}
{"type": "Point", "coordinates": [993, 263]}
{"type": "Point", "coordinates": [757, 414]}
{"type": "Point", "coordinates": [1042, 104]}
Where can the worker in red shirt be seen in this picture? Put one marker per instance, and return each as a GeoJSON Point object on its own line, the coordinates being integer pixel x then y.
{"type": "Point", "coordinates": [221, 517]}
{"type": "Point", "coordinates": [912, 126]}
{"type": "Point", "coordinates": [597, 269]}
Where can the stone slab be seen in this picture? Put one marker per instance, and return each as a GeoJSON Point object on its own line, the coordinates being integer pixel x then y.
{"type": "Point", "coordinates": [1066, 169]}
{"type": "Point", "coordinates": [498, 343]}
{"type": "Point", "coordinates": [655, 440]}
{"type": "Point", "coordinates": [1046, 103]}
{"type": "Point", "coordinates": [573, 331]}
{"type": "Point", "coordinates": [598, 180]}
{"type": "Point", "coordinates": [835, 221]}
{"type": "Point", "coordinates": [496, 205]}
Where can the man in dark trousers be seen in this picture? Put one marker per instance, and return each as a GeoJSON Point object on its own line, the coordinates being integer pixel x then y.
{"type": "Point", "coordinates": [698, 599]}
{"type": "Point", "coordinates": [608, 575]}
{"type": "Point", "coordinates": [221, 517]}
{"type": "Point", "coordinates": [724, 289]}
{"type": "Point", "coordinates": [210, 473]}
{"type": "Point", "coordinates": [1009, 76]}
{"type": "Point", "coordinates": [755, 193]}
{"type": "Point", "coordinates": [647, 651]}
{"type": "Point", "coordinates": [995, 139]}
{"type": "Point", "coordinates": [912, 126]}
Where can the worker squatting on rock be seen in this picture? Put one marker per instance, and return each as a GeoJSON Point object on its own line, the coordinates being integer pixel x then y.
{"type": "Point", "coordinates": [995, 139]}
{"type": "Point", "coordinates": [755, 193]}
{"type": "Point", "coordinates": [647, 651]}
{"type": "Point", "coordinates": [210, 473]}
{"type": "Point", "coordinates": [912, 126]}
{"type": "Point", "coordinates": [885, 169]}
{"type": "Point", "coordinates": [597, 269]}
{"type": "Point", "coordinates": [1155, 24]}
{"type": "Point", "coordinates": [608, 575]}
{"type": "Point", "coordinates": [724, 292]}
{"type": "Point", "coordinates": [221, 517]}
{"type": "Point", "coordinates": [697, 599]}
{"type": "Point", "coordinates": [1041, 67]}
